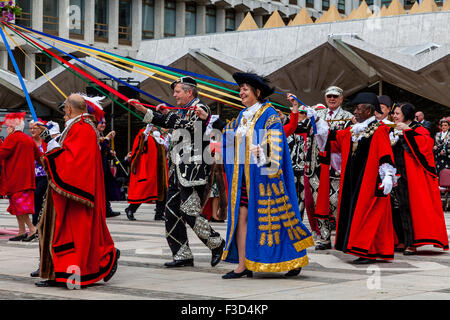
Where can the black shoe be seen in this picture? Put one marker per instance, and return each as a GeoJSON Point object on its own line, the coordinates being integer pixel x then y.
{"type": "Point", "coordinates": [47, 283]}
{"type": "Point", "coordinates": [234, 275]}
{"type": "Point", "coordinates": [217, 254]}
{"type": "Point", "coordinates": [30, 238]}
{"type": "Point", "coordinates": [180, 263]}
{"type": "Point", "coordinates": [19, 237]}
{"type": "Point", "coordinates": [215, 220]}
{"type": "Point", "coordinates": [293, 273]}
{"type": "Point", "coordinates": [114, 267]}
{"type": "Point", "coordinates": [113, 214]}
{"type": "Point", "coordinates": [159, 217]}
{"type": "Point", "coordinates": [409, 253]}
{"type": "Point", "coordinates": [35, 274]}
{"type": "Point", "coordinates": [363, 261]}
{"type": "Point", "coordinates": [323, 246]}
{"type": "Point", "coordinates": [130, 215]}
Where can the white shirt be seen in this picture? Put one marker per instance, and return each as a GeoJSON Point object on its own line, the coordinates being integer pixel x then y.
{"type": "Point", "coordinates": [331, 117]}
{"type": "Point", "coordinates": [248, 114]}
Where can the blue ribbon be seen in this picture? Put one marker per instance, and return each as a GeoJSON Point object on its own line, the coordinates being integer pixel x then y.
{"type": "Point", "coordinates": [313, 120]}
{"type": "Point", "coordinates": [19, 76]}
{"type": "Point", "coordinates": [103, 72]}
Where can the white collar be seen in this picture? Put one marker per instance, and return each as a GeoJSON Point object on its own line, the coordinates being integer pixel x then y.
{"type": "Point", "coordinates": [359, 127]}
{"type": "Point", "coordinates": [250, 112]}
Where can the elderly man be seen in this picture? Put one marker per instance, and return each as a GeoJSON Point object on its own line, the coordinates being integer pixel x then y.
{"type": "Point", "coordinates": [188, 174]}
{"type": "Point", "coordinates": [364, 220]}
{"type": "Point", "coordinates": [76, 246]}
{"type": "Point", "coordinates": [337, 119]}
{"type": "Point", "coordinates": [420, 117]}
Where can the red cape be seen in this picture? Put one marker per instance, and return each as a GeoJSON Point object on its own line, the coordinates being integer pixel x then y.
{"type": "Point", "coordinates": [81, 241]}
{"type": "Point", "coordinates": [143, 186]}
{"type": "Point", "coordinates": [371, 233]}
{"type": "Point", "coordinates": [424, 196]}
{"type": "Point", "coordinates": [17, 154]}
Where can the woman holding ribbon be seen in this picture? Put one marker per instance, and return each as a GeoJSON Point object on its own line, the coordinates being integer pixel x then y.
{"type": "Point", "coordinates": [265, 232]}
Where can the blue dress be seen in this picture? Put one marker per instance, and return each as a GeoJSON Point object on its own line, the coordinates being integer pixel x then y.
{"type": "Point", "coordinates": [276, 239]}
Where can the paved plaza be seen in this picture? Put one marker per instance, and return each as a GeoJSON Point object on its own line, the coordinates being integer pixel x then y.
{"type": "Point", "coordinates": [142, 276]}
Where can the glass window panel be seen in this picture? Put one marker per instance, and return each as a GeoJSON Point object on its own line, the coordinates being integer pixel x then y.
{"type": "Point", "coordinates": [148, 19]}
{"type": "Point", "coordinates": [230, 22]}
{"type": "Point", "coordinates": [210, 19]}
{"type": "Point", "coordinates": [51, 21]}
{"type": "Point", "coordinates": [76, 16]}
{"type": "Point", "coordinates": [101, 18]}
{"type": "Point", "coordinates": [25, 18]}
{"type": "Point", "coordinates": [169, 18]}
{"type": "Point", "coordinates": [125, 19]}
{"type": "Point", "coordinates": [325, 4]}
{"type": "Point", "coordinates": [191, 13]}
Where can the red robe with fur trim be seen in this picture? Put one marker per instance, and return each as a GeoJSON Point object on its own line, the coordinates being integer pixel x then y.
{"type": "Point", "coordinates": [143, 187]}
{"type": "Point", "coordinates": [424, 196]}
{"type": "Point", "coordinates": [80, 242]}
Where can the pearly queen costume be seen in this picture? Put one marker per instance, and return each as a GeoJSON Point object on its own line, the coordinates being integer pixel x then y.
{"type": "Point", "coordinates": [276, 239]}
{"type": "Point", "coordinates": [187, 181]}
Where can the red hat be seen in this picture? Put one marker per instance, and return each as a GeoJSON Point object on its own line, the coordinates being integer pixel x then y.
{"type": "Point", "coordinates": [13, 119]}
{"type": "Point", "coordinates": [94, 107]}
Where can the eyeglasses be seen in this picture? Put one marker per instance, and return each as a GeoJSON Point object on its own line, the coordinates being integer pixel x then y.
{"type": "Point", "coordinates": [330, 96]}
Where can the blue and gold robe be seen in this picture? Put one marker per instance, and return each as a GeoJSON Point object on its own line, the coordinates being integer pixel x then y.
{"type": "Point", "coordinates": [276, 238]}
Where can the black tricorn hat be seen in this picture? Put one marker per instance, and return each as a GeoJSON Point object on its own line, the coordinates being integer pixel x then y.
{"type": "Point", "coordinates": [367, 97]}
{"type": "Point", "coordinates": [186, 80]}
{"type": "Point", "coordinates": [255, 81]}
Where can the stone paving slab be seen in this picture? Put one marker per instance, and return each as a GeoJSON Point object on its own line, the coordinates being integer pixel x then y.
{"type": "Point", "coordinates": [142, 276]}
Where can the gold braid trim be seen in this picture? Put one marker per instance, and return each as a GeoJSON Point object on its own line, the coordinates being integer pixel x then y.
{"type": "Point", "coordinates": [303, 244]}
{"type": "Point", "coordinates": [277, 267]}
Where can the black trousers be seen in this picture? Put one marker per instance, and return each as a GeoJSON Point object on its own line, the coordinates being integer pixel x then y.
{"type": "Point", "coordinates": [183, 206]}
{"type": "Point", "coordinates": [159, 210]}
{"type": "Point", "coordinates": [39, 193]}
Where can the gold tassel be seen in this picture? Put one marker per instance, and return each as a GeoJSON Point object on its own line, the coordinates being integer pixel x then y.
{"type": "Point", "coordinates": [275, 189]}
{"type": "Point", "coordinates": [290, 234]}
{"type": "Point", "coordinates": [281, 187]}
{"type": "Point", "coordinates": [262, 240]}
{"type": "Point", "coordinates": [261, 190]}
{"type": "Point", "coordinates": [277, 238]}
{"type": "Point", "coordinates": [301, 231]}
{"type": "Point", "coordinates": [270, 239]}
{"type": "Point", "coordinates": [297, 236]}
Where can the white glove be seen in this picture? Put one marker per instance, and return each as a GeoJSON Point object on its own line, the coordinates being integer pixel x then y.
{"type": "Point", "coordinates": [387, 184]}
{"type": "Point", "coordinates": [310, 112]}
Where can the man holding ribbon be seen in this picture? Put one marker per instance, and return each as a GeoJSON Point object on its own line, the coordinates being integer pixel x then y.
{"type": "Point", "coordinates": [188, 173]}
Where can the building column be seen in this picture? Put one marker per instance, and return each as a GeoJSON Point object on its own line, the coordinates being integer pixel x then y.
{"type": "Point", "coordinates": [180, 26]}
{"type": "Point", "coordinates": [318, 5]}
{"type": "Point", "coordinates": [30, 69]}
{"type": "Point", "coordinates": [220, 19]}
{"type": "Point", "coordinates": [238, 17]}
{"type": "Point", "coordinates": [159, 19]}
{"type": "Point", "coordinates": [4, 59]}
{"type": "Point", "coordinates": [201, 19]}
{"type": "Point", "coordinates": [136, 24]}
{"type": "Point", "coordinates": [301, 3]}
{"type": "Point", "coordinates": [37, 12]}
{"type": "Point", "coordinates": [113, 23]}
{"type": "Point", "coordinates": [348, 7]}
{"type": "Point", "coordinates": [335, 2]}
{"type": "Point", "coordinates": [89, 21]}
{"type": "Point", "coordinates": [63, 18]}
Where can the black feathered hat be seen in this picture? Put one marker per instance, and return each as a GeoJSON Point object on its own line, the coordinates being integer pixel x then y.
{"type": "Point", "coordinates": [186, 80]}
{"type": "Point", "coordinates": [257, 82]}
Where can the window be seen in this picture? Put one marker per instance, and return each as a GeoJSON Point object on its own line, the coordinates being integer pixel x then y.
{"type": "Point", "coordinates": [368, 2]}
{"type": "Point", "coordinates": [325, 5]}
{"type": "Point", "coordinates": [76, 19]}
{"type": "Point", "coordinates": [148, 19]}
{"type": "Point", "coordinates": [44, 63]}
{"type": "Point", "coordinates": [51, 17]}
{"type": "Point", "coordinates": [191, 12]}
{"type": "Point", "coordinates": [409, 3]}
{"type": "Point", "coordinates": [101, 20]}
{"type": "Point", "coordinates": [385, 3]}
{"type": "Point", "coordinates": [25, 18]}
{"type": "Point", "coordinates": [310, 3]}
{"type": "Point", "coordinates": [210, 19]}
{"type": "Point", "coordinates": [230, 22]}
{"type": "Point", "coordinates": [341, 6]}
{"type": "Point", "coordinates": [169, 18]}
{"type": "Point", "coordinates": [125, 22]}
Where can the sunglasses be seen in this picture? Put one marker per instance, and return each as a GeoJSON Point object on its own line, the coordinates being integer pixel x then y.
{"type": "Point", "coordinates": [329, 96]}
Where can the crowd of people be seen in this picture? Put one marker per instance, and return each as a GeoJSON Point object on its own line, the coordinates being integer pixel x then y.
{"type": "Point", "coordinates": [370, 175]}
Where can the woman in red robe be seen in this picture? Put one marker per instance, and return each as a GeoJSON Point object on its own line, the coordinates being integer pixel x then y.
{"type": "Point", "coordinates": [417, 209]}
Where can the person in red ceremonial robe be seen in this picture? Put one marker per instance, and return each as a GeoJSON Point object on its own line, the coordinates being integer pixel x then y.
{"type": "Point", "coordinates": [18, 153]}
{"type": "Point", "coordinates": [149, 172]}
{"type": "Point", "coordinates": [416, 201]}
{"type": "Point", "coordinates": [364, 219]}
{"type": "Point", "coordinates": [76, 246]}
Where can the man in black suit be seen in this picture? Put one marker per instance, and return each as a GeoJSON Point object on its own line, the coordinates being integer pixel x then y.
{"type": "Point", "coordinates": [420, 117]}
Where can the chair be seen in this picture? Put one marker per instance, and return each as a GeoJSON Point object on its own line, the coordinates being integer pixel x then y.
{"type": "Point", "coordinates": [444, 184]}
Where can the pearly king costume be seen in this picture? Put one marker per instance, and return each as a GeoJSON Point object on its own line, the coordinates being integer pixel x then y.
{"type": "Point", "coordinates": [276, 239]}
{"type": "Point", "coordinates": [188, 176]}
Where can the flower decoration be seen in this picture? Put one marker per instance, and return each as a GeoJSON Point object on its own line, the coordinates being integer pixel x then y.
{"type": "Point", "coordinates": [9, 11]}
